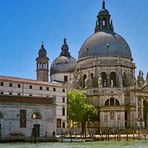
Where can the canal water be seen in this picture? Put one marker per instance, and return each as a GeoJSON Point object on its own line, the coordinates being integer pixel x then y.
{"type": "Point", "coordinates": [101, 144]}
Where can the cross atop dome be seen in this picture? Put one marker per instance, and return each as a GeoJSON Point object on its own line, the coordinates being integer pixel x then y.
{"type": "Point", "coordinates": [42, 45]}
{"type": "Point", "coordinates": [65, 41]}
{"type": "Point", "coordinates": [103, 4]}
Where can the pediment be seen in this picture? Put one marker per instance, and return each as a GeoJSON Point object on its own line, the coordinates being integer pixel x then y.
{"type": "Point", "coordinates": [112, 91]}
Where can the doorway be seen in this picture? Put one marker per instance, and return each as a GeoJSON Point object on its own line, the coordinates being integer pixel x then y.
{"type": "Point", "coordinates": [37, 127]}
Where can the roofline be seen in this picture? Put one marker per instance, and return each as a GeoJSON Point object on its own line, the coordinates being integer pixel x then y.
{"type": "Point", "coordinates": [29, 81]}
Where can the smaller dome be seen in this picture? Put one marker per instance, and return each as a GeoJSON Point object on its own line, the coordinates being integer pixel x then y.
{"type": "Point", "coordinates": [42, 52]}
{"type": "Point", "coordinates": [63, 64]}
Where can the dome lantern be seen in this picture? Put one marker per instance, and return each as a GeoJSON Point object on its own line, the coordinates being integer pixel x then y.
{"type": "Point", "coordinates": [65, 49]}
{"type": "Point", "coordinates": [103, 20]}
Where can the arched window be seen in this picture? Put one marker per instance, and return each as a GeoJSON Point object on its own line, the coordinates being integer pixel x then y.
{"type": "Point", "coordinates": [92, 75]}
{"type": "Point", "coordinates": [113, 79]}
{"type": "Point", "coordinates": [40, 66]}
{"type": "Point", "coordinates": [1, 115]}
{"type": "Point", "coordinates": [117, 102]}
{"type": "Point", "coordinates": [112, 102]}
{"type": "Point", "coordinates": [84, 77]}
{"type": "Point", "coordinates": [104, 22]}
{"type": "Point", "coordinates": [104, 79]}
{"type": "Point", "coordinates": [107, 103]}
{"type": "Point", "coordinates": [36, 116]}
{"type": "Point", "coordinates": [124, 79]}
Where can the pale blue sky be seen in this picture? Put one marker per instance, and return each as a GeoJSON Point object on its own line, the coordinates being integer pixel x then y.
{"type": "Point", "coordinates": [24, 24]}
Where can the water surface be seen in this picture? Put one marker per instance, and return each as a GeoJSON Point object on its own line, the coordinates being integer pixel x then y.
{"type": "Point", "coordinates": [101, 144]}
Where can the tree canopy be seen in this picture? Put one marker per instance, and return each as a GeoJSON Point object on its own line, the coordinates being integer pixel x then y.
{"type": "Point", "coordinates": [78, 109]}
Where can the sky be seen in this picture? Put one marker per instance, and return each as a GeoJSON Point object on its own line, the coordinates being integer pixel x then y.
{"type": "Point", "coordinates": [24, 24]}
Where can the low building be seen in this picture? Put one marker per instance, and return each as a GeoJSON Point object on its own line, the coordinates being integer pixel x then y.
{"type": "Point", "coordinates": [20, 114]}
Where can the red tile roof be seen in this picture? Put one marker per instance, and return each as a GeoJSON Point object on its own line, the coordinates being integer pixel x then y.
{"type": "Point", "coordinates": [25, 99]}
{"type": "Point", "coordinates": [30, 81]}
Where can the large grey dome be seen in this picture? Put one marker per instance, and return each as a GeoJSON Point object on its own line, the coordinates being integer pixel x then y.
{"type": "Point", "coordinates": [105, 43]}
{"type": "Point", "coordinates": [64, 63]}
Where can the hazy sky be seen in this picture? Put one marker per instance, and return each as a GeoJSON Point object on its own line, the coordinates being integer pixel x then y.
{"type": "Point", "coordinates": [24, 24]}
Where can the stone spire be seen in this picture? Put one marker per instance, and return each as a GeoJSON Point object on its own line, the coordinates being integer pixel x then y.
{"type": "Point", "coordinates": [65, 49]}
{"type": "Point", "coordinates": [140, 79]}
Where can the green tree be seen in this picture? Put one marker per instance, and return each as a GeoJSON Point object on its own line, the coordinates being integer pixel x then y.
{"type": "Point", "coordinates": [78, 110]}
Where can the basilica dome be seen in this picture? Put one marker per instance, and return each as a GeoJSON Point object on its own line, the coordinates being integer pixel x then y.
{"type": "Point", "coordinates": [64, 63]}
{"type": "Point", "coordinates": [104, 42]}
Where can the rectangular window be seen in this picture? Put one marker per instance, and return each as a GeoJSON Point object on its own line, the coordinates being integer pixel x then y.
{"type": "Point", "coordinates": [2, 83]}
{"type": "Point", "coordinates": [63, 100]}
{"type": "Point", "coordinates": [63, 125]}
{"type": "Point", "coordinates": [30, 86]}
{"type": "Point", "coordinates": [65, 78]}
{"type": "Point", "coordinates": [58, 123]}
{"type": "Point", "coordinates": [63, 111]}
{"type": "Point", "coordinates": [23, 118]}
{"type": "Point", "coordinates": [63, 90]}
{"type": "Point", "coordinates": [19, 85]}
{"type": "Point", "coordinates": [41, 88]}
{"type": "Point", "coordinates": [54, 89]}
{"type": "Point", "coordinates": [47, 88]}
{"type": "Point", "coordinates": [10, 84]}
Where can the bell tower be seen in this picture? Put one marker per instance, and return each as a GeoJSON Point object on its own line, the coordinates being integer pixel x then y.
{"type": "Point", "coordinates": [42, 66]}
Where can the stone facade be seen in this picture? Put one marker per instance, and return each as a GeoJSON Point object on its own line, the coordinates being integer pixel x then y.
{"type": "Point", "coordinates": [18, 115]}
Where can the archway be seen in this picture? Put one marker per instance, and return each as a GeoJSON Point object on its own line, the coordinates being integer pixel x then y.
{"type": "Point", "coordinates": [83, 83]}
{"type": "Point", "coordinates": [104, 79]}
{"type": "Point", "coordinates": [113, 78]}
